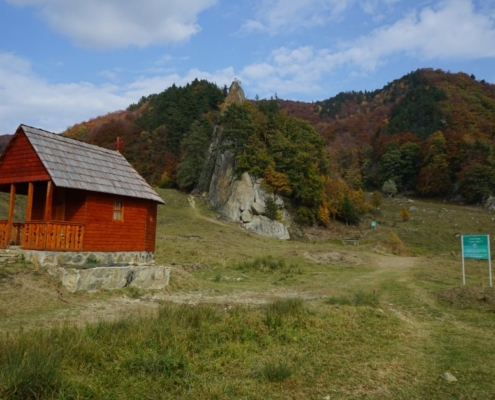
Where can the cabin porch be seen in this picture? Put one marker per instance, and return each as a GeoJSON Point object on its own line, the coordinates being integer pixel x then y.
{"type": "Point", "coordinates": [45, 232]}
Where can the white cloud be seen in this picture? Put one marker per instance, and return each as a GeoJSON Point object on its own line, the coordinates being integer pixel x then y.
{"type": "Point", "coordinates": [120, 23]}
{"type": "Point", "coordinates": [453, 30]}
{"type": "Point", "coordinates": [287, 16]}
{"type": "Point", "coordinates": [277, 16]}
{"type": "Point", "coordinates": [29, 99]}
{"type": "Point", "coordinates": [287, 71]}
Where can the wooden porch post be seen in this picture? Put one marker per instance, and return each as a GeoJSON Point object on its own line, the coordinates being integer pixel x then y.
{"type": "Point", "coordinates": [49, 200]}
{"type": "Point", "coordinates": [29, 205]}
{"type": "Point", "coordinates": [11, 213]}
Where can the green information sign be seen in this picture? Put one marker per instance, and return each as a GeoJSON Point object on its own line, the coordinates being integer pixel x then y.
{"type": "Point", "coordinates": [476, 246]}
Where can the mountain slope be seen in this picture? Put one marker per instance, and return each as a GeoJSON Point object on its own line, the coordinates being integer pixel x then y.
{"type": "Point", "coordinates": [430, 131]}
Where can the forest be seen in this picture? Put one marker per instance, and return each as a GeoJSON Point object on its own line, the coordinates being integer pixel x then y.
{"type": "Point", "coordinates": [430, 133]}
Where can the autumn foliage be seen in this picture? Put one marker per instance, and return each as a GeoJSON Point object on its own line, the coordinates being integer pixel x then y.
{"type": "Point", "coordinates": [431, 133]}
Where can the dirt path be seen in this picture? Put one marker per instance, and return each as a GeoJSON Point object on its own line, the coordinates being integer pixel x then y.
{"type": "Point", "coordinates": [32, 300]}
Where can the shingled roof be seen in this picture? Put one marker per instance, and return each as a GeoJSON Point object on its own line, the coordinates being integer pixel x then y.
{"type": "Point", "coordinates": [78, 165]}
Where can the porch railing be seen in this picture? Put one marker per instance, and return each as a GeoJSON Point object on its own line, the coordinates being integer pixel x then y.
{"type": "Point", "coordinates": [4, 241]}
{"type": "Point", "coordinates": [56, 236]}
{"type": "Point", "coordinates": [15, 234]}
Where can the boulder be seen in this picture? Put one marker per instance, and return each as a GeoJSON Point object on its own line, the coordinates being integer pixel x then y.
{"type": "Point", "coordinates": [246, 216]}
{"type": "Point", "coordinates": [257, 208]}
{"type": "Point", "coordinates": [448, 377]}
{"type": "Point", "coordinates": [266, 227]}
{"type": "Point", "coordinates": [241, 198]}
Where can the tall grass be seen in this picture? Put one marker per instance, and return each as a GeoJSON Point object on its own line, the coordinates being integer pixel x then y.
{"type": "Point", "coordinates": [268, 264]}
{"type": "Point", "coordinates": [181, 352]}
{"type": "Point", "coordinates": [30, 367]}
{"type": "Point", "coordinates": [280, 310]}
{"type": "Point", "coordinates": [286, 349]}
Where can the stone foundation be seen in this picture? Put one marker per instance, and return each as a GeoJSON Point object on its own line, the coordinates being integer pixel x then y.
{"type": "Point", "coordinates": [54, 259]}
{"type": "Point", "coordinates": [109, 278]}
{"type": "Point", "coordinates": [91, 271]}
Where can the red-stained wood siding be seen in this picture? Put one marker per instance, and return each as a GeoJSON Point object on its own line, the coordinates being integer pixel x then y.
{"type": "Point", "coordinates": [75, 206]}
{"type": "Point", "coordinates": [102, 233]}
{"type": "Point", "coordinates": [151, 227]}
{"type": "Point", "coordinates": [21, 163]}
{"type": "Point", "coordinates": [39, 198]}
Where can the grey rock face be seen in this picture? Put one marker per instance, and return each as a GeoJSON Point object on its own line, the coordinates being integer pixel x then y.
{"type": "Point", "coordinates": [246, 204]}
{"type": "Point", "coordinates": [257, 208]}
{"type": "Point", "coordinates": [246, 216]}
{"type": "Point", "coordinates": [266, 227]}
{"type": "Point", "coordinates": [490, 203]}
{"type": "Point", "coordinates": [238, 199]}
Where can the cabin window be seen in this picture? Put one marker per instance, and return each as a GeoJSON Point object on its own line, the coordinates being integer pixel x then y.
{"type": "Point", "coordinates": [118, 210]}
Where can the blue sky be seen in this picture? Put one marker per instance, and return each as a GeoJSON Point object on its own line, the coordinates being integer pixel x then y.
{"type": "Point", "coordinates": [65, 61]}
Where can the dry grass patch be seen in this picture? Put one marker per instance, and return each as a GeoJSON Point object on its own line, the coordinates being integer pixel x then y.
{"type": "Point", "coordinates": [469, 297]}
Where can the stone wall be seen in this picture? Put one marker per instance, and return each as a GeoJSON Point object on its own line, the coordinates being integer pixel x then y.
{"type": "Point", "coordinates": [110, 278]}
{"type": "Point", "coordinates": [51, 260]}
{"type": "Point", "coordinates": [90, 271]}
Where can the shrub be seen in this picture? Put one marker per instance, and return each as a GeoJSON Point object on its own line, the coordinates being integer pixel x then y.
{"type": "Point", "coordinates": [271, 209]}
{"type": "Point", "coordinates": [376, 199]}
{"type": "Point", "coordinates": [349, 212]}
{"type": "Point", "coordinates": [389, 188]}
{"type": "Point", "coordinates": [395, 244]}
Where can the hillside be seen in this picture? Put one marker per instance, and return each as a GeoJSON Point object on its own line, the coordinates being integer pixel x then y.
{"type": "Point", "coordinates": [153, 129]}
{"type": "Point", "coordinates": [309, 318]}
{"type": "Point", "coordinates": [431, 131]}
{"type": "Point", "coordinates": [4, 140]}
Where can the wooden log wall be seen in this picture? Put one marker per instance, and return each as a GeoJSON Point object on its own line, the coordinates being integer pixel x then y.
{"type": "Point", "coordinates": [21, 163]}
{"type": "Point", "coordinates": [151, 227]}
{"type": "Point", "coordinates": [104, 234]}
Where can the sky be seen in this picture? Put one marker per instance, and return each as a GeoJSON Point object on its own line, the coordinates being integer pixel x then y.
{"type": "Point", "coordinates": [66, 61]}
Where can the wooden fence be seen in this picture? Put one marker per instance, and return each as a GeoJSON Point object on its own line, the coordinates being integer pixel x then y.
{"type": "Point", "coordinates": [54, 236]}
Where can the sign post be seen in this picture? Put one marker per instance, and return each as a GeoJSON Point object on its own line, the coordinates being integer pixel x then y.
{"type": "Point", "coordinates": [476, 247]}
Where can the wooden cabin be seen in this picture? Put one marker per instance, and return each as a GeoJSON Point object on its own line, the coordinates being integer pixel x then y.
{"type": "Point", "coordinates": [80, 197]}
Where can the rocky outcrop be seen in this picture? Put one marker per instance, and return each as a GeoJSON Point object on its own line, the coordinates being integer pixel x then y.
{"type": "Point", "coordinates": [243, 199]}
{"type": "Point", "coordinates": [246, 203]}
{"type": "Point", "coordinates": [235, 96]}
{"type": "Point", "coordinates": [489, 203]}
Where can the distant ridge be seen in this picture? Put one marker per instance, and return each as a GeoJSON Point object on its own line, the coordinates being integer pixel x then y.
{"type": "Point", "coordinates": [4, 140]}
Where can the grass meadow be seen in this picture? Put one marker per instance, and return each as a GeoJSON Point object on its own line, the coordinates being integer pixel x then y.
{"type": "Point", "coordinates": [247, 317]}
